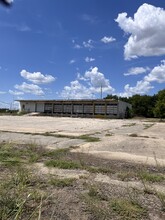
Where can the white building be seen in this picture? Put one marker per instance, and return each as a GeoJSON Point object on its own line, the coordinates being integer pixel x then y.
{"type": "Point", "coordinates": [79, 108]}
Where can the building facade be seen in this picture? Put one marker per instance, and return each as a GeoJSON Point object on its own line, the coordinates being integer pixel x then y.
{"type": "Point", "coordinates": [77, 108]}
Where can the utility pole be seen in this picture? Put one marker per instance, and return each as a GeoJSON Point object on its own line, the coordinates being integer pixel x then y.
{"type": "Point", "coordinates": [101, 92]}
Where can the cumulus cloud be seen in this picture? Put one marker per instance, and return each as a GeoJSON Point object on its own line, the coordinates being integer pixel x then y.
{"type": "Point", "coordinates": [77, 46]}
{"type": "Point", "coordinates": [37, 77]}
{"type": "Point", "coordinates": [2, 92]}
{"type": "Point", "coordinates": [72, 61]}
{"type": "Point", "coordinates": [30, 88]}
{"type": "Point", "coordinates": [88, 44]}
{"type": "Point", "coordinates": [157, 74]}
{"type": "Point", "coordinates": [85, 44]}
{"type": "Point", "coordinates": [97, 80]}
{"type": "Point", "coordinates": [142, 87]}
{"type": "Point", "coordinates": [146, 30]}
{"type": "Point", "coordinates": [88, 85]}
{"type": "Point", "coordinates": [107, 40]}
{"type": "Point", "coordinates": [15, 92]}
{"type": "Point", "coordinates": [136, 71]}
{"type": "Point", "coordinates": [89, 59]}
{"type": "Point", "coordinates": [76, 90]}
{"type": "Point", "coordinates": [9, 1]}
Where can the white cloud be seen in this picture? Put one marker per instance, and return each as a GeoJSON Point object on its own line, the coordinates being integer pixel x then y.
{"type": "Point", "coordinates": [136, 71]}
{"type": "Point", "coordinates": [2, 92]}
{"type": "Point", "coordinates": [76, 91]}
{"type": "Point", "coordinates": [89, 59]}
{"type": "Point", "coordinates": [88, 44]}
{"type": "Point", "coordinates": [15, 92]}
{"type": "Point", "coordinates": [142, 87]}
{"type": "Point", "coordinates": [30, 88]}
{"type": "Point", "coordinates": [107, 40]}
{"type": "Point", "coordinates": [146, 30]}
{"type": "Point", "coordinates": [77, 46]}
{"type": "Point", "coordinates": [9, 1]}
{"type": "Point", "coordinates": [37, 77]}
{"type": "Point", "coordinates": [98, 80]}
{"type": "Point", "coordinates": [89, 18]}
{"type": "Point", "coordinates": [24, 28]}
{"type": "Point", "coordinates": [157, 74]}
{"type": "Point", "coordinates": [91, 83]}
{"type": "Point", "coordinates": [72, 61]}
{"type": "Point", "coordinates": [18, 27]}
{"type": "Point", "coordinates": [85, 44]}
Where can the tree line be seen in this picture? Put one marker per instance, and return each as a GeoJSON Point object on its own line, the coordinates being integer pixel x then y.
{"type": "Point", "coordinates": [145, 105]}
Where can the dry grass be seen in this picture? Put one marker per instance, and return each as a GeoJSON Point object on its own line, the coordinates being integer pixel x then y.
{"type": "Point", "coordinates": [26, 194]}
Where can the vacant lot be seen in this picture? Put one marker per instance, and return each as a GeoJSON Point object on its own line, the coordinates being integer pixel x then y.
{"type": "Point", "coordinates": [76, 168]}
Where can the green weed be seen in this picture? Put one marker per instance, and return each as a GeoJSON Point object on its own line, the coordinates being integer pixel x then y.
{"type": "Point", "coordinates": [62, 164]}
{"type": "Point", "coordinates": [149, 177]}
{"type": "Point", "coordinates": [88, 138]}
{"type": "Point", "coordinates": [66, 182]}
{"type": "Point", "coordinates": [127, 209]}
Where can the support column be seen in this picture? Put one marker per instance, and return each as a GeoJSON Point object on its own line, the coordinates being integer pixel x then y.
{"type": "Point", "coordinates": [52, 108]}
{"type": "Point", "coordinates": [93, 109]}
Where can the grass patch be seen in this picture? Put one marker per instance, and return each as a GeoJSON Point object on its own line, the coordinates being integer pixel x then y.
{"type": "Point", "coordinates": [161, 197]}
{"type": "Point", "coordinates": [57, 154]}
{"type": "Point", "coordinates": [26, 194]}
{"type": "Point", "coordinates": [125, 176]}
{"type": "Point", "coordinates": [141, 136]}
{"type": "Point", "coordinates": [62, 164]}
{"type": "Point", "coordinates": [93, 192]}
{"type": "Point", "coordinates": [127, 209]}
{"type": "Point", "coordinates": [66, 182]}
{"type": "Point", "coordinates": [129, 125]}
{"type": "Point", "coordinates": [150, 177]}
{"type": "Point", "coordinates": [133, 135]}
{"type": "Point", "coordinates": [98, 169]}
{"type": "Point", "coordinates": [9, 156]}
{"type": "Point", "coordinates": [95, 207]}
{"type": "Point", "coordinates": [146, 126]}
{"type": "Point", "coordinates": [10, 162]}
{"type": "Point", "coordinates": [17, 197]}
{"type": "Point", "coordinates": [108, 134]}
{"type": "Point", "coordinates": [88, 138]}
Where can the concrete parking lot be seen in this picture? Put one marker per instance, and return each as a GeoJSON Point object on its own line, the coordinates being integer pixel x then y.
{"type": "Point", "coordinates": [134, 140]}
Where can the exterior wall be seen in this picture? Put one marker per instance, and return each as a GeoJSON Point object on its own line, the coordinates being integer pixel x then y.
{"type": "Point", "coordinates": [78, 108]}
{"type": "Point", "coordinates": [27, 106]}
{"type": "Point", "coordinates": [39, 107]}
{"type": "Point", "coordinates": [122, 106]}
{"type": "Point", "coordinates": [31, 107]}
{"type": "Point", "coordinates": [112, 109]}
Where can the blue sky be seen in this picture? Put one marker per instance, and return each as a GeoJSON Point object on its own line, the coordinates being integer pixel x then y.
{"type": "Point", "coordinates": [69, 49]}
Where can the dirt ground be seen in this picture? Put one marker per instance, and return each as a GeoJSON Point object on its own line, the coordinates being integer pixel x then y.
{"type": "Point", "coordinates": [135, 140]}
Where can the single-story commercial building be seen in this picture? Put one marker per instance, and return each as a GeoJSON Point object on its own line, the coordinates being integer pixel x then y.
{"type": "Point", "coordinates": [79, 108]}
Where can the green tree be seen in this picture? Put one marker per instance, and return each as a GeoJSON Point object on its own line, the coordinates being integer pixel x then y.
{"type": "Point", "coordinates": [159, 110]}
{"type": "Point", "coordinates": [142, 105]}
{"type": "Point", "coordinates": [115, 97]}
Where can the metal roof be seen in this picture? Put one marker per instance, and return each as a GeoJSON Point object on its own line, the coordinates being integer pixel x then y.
{"type": "Point", "coordinates": [68, 100]}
